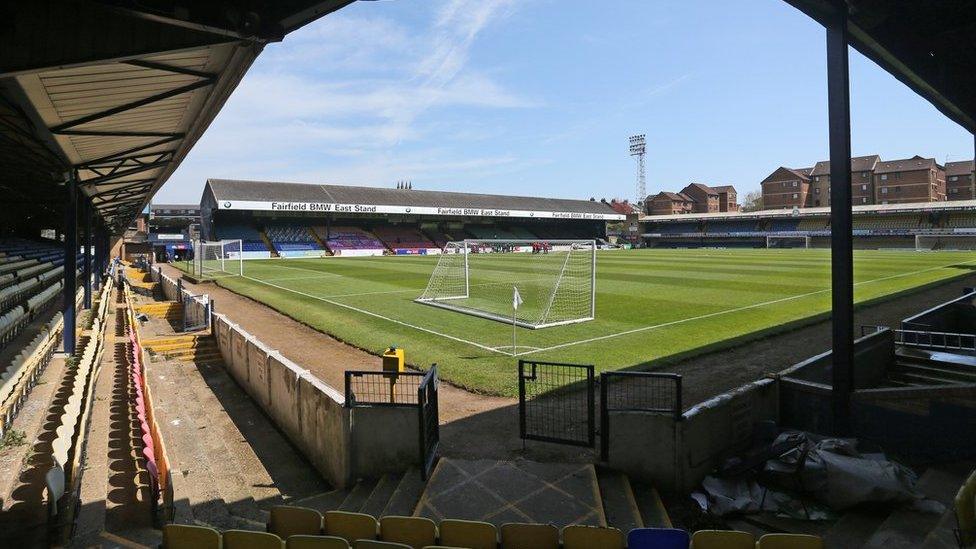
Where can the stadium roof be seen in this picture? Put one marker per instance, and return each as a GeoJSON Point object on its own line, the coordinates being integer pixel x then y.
{"type": "Point", "coordinates": [120, 90]}
{"type": "Point", "coordinates": [906, 207]}
{"type": "Point", "coordinates": [272, 196]}
{"type": "Point", "coordinates": [928, 45]}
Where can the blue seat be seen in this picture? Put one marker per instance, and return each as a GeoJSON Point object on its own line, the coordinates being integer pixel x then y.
{"type": "Point", "coordinates": [657, 538]}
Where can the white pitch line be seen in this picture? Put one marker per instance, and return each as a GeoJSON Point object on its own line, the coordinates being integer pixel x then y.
{"type": "Point", "coordinates": [316, 271]}
{"type": "Point", "coordinates": [370, 313]}
{"type": "Point", "coordinates": [733, 310]}
{"type": "Point", "coordinates": [313, 277]}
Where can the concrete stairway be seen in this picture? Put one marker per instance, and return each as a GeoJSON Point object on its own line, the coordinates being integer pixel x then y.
{"type": "Point", "coordinates": [170, 311]}
{"type": "Point", "coordinates": [392, 494]}
{"type": "Point", "coordinates": [920, 368]}
{"type": "Point", "coordinates": [200, 349]}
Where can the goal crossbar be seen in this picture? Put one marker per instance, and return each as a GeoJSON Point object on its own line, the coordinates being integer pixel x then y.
{"type": "Point", "coordinates": [555, 277]}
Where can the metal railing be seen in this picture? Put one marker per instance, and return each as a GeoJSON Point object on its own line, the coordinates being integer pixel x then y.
{"type": "Point", "coordinates": [650, 392]}
{"type": "Point", "coordinates": [936, 340]}
{"type": "Point", "coordinates": [364, 388]}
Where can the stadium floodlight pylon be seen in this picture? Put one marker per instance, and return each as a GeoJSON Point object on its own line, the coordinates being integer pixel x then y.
{"type": "Point", "coordinates": [787, 241]}
{"type": "Point", "coordinates": [556, 279]}
{"type": "Point", "coordinates": [954, 241]}
{"type": "Point", "coordinates": [217, 258]}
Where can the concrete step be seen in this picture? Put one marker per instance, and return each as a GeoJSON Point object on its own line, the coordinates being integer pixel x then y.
{"type": "Point", "coordinates": [906, 528]}
{"type": "Point", "coordinates": [358, 495]}
{"type": "Point", "coordinates": [652, 510]}
{"type": "Point", "coordinates": [856, 527]}
{"type": "Point", "coordinates": [404, 500]}
{"type": "Point", "coordinates": [943, 536]}
{"type": "Point", "coordinates": [377, 501]}
{"type": "Point", "coordinates": [920, 379]}
{"type": "Point", "coordinates": [325, 501]}
{"type": "Point", "coordinates": [619, 505]}
{"type": "Point", "coordinates": [963, 376]}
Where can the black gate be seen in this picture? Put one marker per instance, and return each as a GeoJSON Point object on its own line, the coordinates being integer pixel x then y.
{"type": "Point", "coordinates": [402, 390]}
{"type": "Point", "coordinates": [557, 403]}
{"type": "Point", "coordinates": [430, 429]}
{"type": "Point", "coordinates": [196, 312]}
{"type": "Point", "coordinates": [636, 392]}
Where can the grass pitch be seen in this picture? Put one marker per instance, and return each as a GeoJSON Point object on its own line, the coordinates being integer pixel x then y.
{"type": "Point", "coordinates": [650, 304]}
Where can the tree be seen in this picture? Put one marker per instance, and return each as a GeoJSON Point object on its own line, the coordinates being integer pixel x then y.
{"type": "Point", "coordinates": [752, 202]}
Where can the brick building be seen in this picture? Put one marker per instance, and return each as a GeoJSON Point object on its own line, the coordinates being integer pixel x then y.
{"type": "Point", "coordinates": [873, 181]}
{"type": "Point", "coordinates": [704, 198]}
{"type": "Point", "coordinates": [727, 198]}
{"type": "Point", "coordinates": [786, 188]}
{"type": "Point", "coordinates": [959, 180]}
{"type": "Point", "coordinates": [668, 203]}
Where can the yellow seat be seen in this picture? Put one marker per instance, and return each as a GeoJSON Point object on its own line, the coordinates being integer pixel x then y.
{"type": "Point", "coordinates": [518, 535]}
{"type": "Point", "coordinates": [376, 544]}
{"type": "Point", "coordinates": [469, 534]}
{"type": "Point", "coordinates": [350, 526]}
{"type": "Point", "coordinates": [183, 535]}
{"type": "Point", "coordinates": [789, 541]}
{"type": "Point", "coordinates": [246, 539]}
{"type": "Point", "coordinates": [722, 539]}
{"type": "Point", "coordinates": [417, 532]}
{"type": "Point", "coordinates": [316, 542]}
{"type": "Point", "coordinates": [592, 537]}
{"type": "Point", "coordinates": [287, 521]}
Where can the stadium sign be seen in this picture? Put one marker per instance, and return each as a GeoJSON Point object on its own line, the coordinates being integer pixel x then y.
{"type": "Point", "coordinates": [330, 207]}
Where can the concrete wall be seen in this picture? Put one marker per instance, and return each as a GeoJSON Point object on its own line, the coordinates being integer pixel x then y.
{"type": "Point", "coordinates": [676, 454]}
{"type": "Point", "coordinates": [955, 316]}
{"type": "Point", "coordinates": [342, 443]}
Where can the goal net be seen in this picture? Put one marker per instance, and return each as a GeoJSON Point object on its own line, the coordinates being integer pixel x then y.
{"type": "Point", "coordinates": [774, 241]}
{"type": "Point", "coordinates": [556, 280]}
{"type": "Point", "coordinates": [934, 242]}
{"type": "Point", "coordinates": [216, 259]}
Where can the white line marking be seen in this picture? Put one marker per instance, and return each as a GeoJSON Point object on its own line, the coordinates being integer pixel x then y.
{"type": "Point", "coordinates": [316, 271]}
{"type": "Point", "coordinates": [733, 310]}
{"type": "Point", "coordinates": [370, 313]}
{"type": "Point", "coordinates": [313, 277]}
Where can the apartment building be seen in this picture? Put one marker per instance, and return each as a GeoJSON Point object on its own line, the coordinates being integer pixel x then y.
{"type": "Point", "coordinates": [694, 198]}
{"type": "Point", "coordinates": [786, 188]}
{"type": "Point", "coordinates": [959, 180]}
{"type": "Point", "coordinates": [913, 179]}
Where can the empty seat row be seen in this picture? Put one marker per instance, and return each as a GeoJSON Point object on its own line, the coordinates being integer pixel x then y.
{"type": "Point", "coordinates": [21, 375]}
{"type": "Point", "coordinates": [306, 528]}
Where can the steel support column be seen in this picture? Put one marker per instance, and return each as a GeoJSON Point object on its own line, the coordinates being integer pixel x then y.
{"type": "Point", "coordinates": [99, 252]}
{"type": "Point", "coordinates": [841, 241]}
{"type": "Point", "coordinates": [86, 283]}
{"type": "Point", "coordinates": [70, 262]}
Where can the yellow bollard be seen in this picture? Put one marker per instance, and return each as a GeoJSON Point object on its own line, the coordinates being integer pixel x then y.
{"type": "Point", "coordinates": [392, 366]}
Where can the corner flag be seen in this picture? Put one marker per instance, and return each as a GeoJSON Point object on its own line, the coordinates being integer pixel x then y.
{"type": "Point", "coordinates": [516, 301]}
{"type": "Point", "coordinates": [516, 298]}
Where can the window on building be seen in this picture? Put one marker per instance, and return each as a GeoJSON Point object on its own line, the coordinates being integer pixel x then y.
{"type": "Point", "coordinates": [816, 191]}
{"type": "Point", "coordinates": [884, 190]}
{"type": "Point", "coordinates": [897, 175]}
{"type": "Point", "coordinates": [795, 183]}
{"type": "Point", "coordinates": [864, 200]}
{"type": "Point", "coordinates": [864, 175]}
{"type": "Point", "coordinates": [864, 187]}
{"type": "Point", "coordinates": [795, 196]}
{"type": "Point", "coordinates": [816, 178]}
{"type": "Point", "coordinates": [953, 191]}
{"type": "Point", "coordinates": [897, 189]}
{"type": "Point", "coordinates": [954, 178]}
{"type": "Point", "coordinates": [884, 177]}
{"type": "Point", "coordinates": [884, 201]}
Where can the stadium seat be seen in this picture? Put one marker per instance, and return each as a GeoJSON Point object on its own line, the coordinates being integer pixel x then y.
{"type": "Point", "coordinates": [246, 539]}
{"type": "Point", "coordinates": [416, 532]}
{"type": "Point", "coordinates": [657, 538]}
{"type": "Point", "coordinates": [350, 526]}
{"type": "Point", "coordinates": [592, 537]}
{"type": "Point", "coordinates": [316, 542]}
{"type": "Point", "coordinates": [517, 535]}
{"type": "Point", "coordinates": [288, 521]}
{"type": "Point", "coordinates": [789, 541]}
{"type": "Point", "coordinates": [722, 539]}
{"type": "Point", "coordinates": [375, 544]}
{"type": "Point", "coordinates": [178, 536]}
{"type": "Point", "coordinates": [469, 534]}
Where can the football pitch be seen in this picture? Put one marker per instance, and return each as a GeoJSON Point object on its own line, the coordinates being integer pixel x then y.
{"type": "Point", "coordinates": [650, 304]}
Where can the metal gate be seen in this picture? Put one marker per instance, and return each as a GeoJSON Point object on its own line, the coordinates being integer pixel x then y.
{"type": "Point", "coordinates": [430, 429]}
{"type": "Point", "coordinates": [196, 312]}
{"type": "Point", "coordinates": [636, 392]}
{"type": "Point", "coordinates": [557, 403]}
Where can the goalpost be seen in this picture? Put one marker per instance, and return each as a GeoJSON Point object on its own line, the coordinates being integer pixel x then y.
{"type": "Point", "coordinates": [556, 280]}
{"type": "Point", "coordinates": [934, 242]}
{"type": "Point", "coordinates": [787, 241]}
{"type": "Point", "coordinates": [216, 259]}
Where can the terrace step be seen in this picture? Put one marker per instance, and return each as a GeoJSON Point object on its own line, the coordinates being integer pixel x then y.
{"type": "Point", "coordinates": [358, 495]}
{"type": "Point", "coordinates": [619, 505]}
{"type": "Point", "coordinates": [921, 379]}
{"type": "Point", "coordinates": [377, 501]}
{"type": "Point", "coordinates": [939, 372]}
{"type": "Point", "coordinates": [403, 501]}
{"type": "Point", "coordinates": [906, 528]}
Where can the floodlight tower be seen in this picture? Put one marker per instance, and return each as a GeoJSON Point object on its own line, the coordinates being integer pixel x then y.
{"type": "Point", "coordinates": [638, 148]}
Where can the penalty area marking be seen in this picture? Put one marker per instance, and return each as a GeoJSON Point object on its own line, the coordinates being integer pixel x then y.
{"type": "Point", "coordinates": [376, 315]}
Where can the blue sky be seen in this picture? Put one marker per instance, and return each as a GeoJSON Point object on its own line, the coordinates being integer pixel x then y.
{"type": "Point", "coordinates": [538, 97]}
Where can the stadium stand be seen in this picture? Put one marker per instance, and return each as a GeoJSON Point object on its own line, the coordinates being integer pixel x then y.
{"type": "Point", "coordinates": [784, 225]}
{"type": "Point", "coordinates": [249, 236]}
{"type": "Point", "coordinates": [400, 237]}
{"type": "Point", "coordinates": [289, 237]}
{"type": "Point", "coordinates": [301, 527]}
{"type": "Point", "coordinates": [344, 238]}
{"type": "Point", "coordinates": [730, 226]}
{"type": "Point", "coordinates": [962, 220]}
{"type": "Point", "coordinates": [490, 232]}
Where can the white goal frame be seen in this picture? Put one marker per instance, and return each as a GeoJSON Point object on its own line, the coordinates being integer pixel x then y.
{"type": "Point", "coordinates": [465, 249]}
{"type": "Point", "coordinates": [771, 238]}
{"type": "Point", "coordinates": [920, 238]}
{"type": "Point", "coordinates": [218, 258]}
